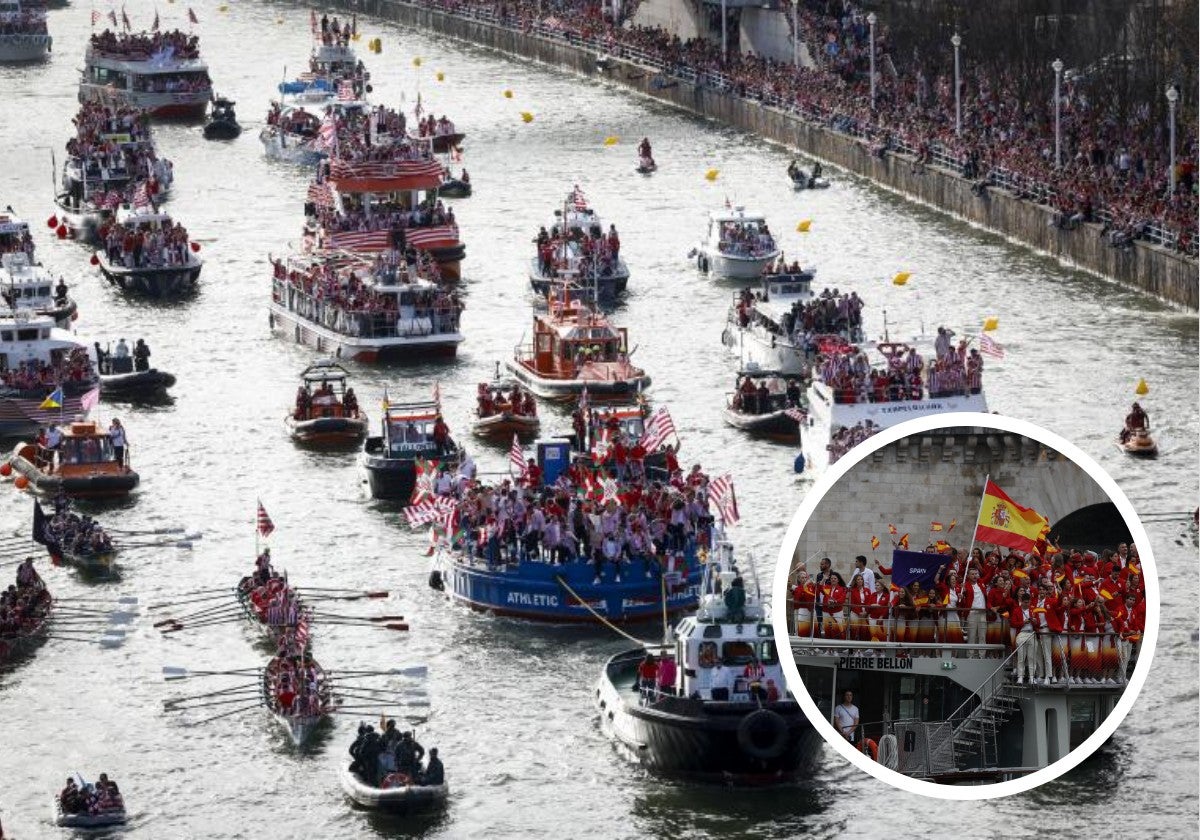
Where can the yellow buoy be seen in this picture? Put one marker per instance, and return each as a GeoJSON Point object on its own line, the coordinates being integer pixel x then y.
{"type": "Point", "coordinates": [417, 61]}
{"type": "Point", "coordinates": [804, 225]}
{"type": "Point", "coordinates": [611, 141]}
{"type": "Point", "coordinates": [901, 278]}
{"type": "Point", "coordinates": [712, 174]}
{"type": "Point", "coordinates": [222, 8]}
{"type": "Point", "coordinates": [355, 37]}
{"type": "Point", "coordinates": [990, 323]}
{"type": "Point", "coordinates": [1142, 388]}
{"type": "Point", "coordinates": [526, 116]}
{"type": "Point", "coordinates": [508, 94]}
{"type": "Point", "coordinates": [279, 21]}
{"type": "Point", "coordinates": [441, 77]}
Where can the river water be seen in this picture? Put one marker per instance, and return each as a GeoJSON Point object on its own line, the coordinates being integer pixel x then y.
{"type": "Point", "coordinates": [513, 719]}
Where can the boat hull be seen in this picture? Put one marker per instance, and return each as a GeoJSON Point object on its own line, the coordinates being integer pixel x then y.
{"type": "Point", "coordinates": [731, 267]}
{"type": "Point", "coordinates": [328, 432]}
{"type": "Point", "coordinates": [727, 743]}
{"type": "Point", "coordinates": [87, 820]}
{"type": "Point", "coordinates": [403, 800]}
{"type": "Point", "coordinates": [607, 287]}
{"type": "Point", "coordinates": [506, 424]}
{"type": "Point", "coordinates": [222, 131]}
{"type": "Point", "coordinates": [298, 151]}
{"type": "Point", "coordinates": [535, 591]}
{"type": "Point", "coordinates": [324, 340]}
{"type": "Point", "coordinates": [1143, 447]}
{"type": "Point", "coordinates": [454, 188]}
{"type": "Point", "coordinates": [17, 49]}
{"type": "Point", "coordinates": [564, 390]}
{"type": "Point", "coordinates": [189, 105]}
{"type": "Point", "coordinates": [152, 282]}
{"type": "Point", "coordinates": [776, 424]}
{"type": "Point", "coordinates": [389, 478]}
{"type": "Point", "coordinates": [98, 485]}
{"type": "Point", "coordinates": [762, 350]}
{"type": "Point", "coordinates": [141, 383]}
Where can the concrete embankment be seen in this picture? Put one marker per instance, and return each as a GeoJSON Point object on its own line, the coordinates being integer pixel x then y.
{"type": "Point", "coordinates": [1149, 268]}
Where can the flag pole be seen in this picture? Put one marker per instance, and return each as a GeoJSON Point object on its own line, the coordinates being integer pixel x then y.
{"type": "Point", "coordinates": [967, 567]}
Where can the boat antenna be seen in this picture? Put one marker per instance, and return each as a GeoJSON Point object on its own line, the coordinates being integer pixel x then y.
{"type": "Point", "coordinates": [886, 340]}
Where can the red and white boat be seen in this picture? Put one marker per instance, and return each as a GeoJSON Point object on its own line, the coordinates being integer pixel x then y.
{"type": "Point", "coordinates": [23, 32]}
{"type": "Point", "coordinates": [161, 72]}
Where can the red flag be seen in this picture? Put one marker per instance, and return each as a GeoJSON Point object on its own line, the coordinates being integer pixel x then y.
{"type": "Point", "coordinates": [935, 526]}
{"type": "Point", "coordinates": [265, 525]}
{"type": "Point", "coordinates": [720, 490]}
{"type": "Point", "coordinates": [904, 541]}
{"type": "Point", "coordinates": [874, 542]}
{"type": "Point", "coordinates": [892, 530]}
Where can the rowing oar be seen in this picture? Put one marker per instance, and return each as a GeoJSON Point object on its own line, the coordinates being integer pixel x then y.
{"type": "Point", "coordinates": [170, 707]}
{"type": "Point", "coordinates": [207, 611]}
{"type": "Point", "coordinates": [255, 705]}
{"type": "Point", "coordinates": [418, 693]}
{"type": "Point", "coordinates": [241, 689]}
{"type": "Point", "coordinates": [165, 544]}
{"type": "Point", "coordinates": [175, 627]}
{"type": "Point", "coordinates": [107, 639]}
{"type": "Point", "coordinates": [335, 589]}
{"type": "Point", "coordinates": [382, 700]}
{"type": "Point", "coordinates": [304, 593]}
{"type": "Point", "coordinates": [207, 591]}
{"type": "Point", "coordinates": [397, 627]}
{"type": "Point", "coordinates": [411, 671]}
{"type": "Point", "coordinates": [115, 617]}
{"type": "Point", "coordinates": [147, 532]}
{"type": "Point", "coordinates": [174, 672]}
{"type": "Point", "coordinates": [124, 599]}
{"type": "Point", "coordinates": [224, 593]}
{"type": "Point", "coordinates": [377, 618]}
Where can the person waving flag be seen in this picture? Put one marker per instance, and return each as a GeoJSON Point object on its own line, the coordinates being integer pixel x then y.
{"type": "Point", "coordinates": [264, 524]}
{"type": "Point", "coordinates": [516, 459]}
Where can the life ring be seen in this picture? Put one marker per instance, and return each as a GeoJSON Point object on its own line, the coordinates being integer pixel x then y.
{"type": "Point", "coordinates": [763, 734]}
{"type": "Point", "coordinates": [871, 748]}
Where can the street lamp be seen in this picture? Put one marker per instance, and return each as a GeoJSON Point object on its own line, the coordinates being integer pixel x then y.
{"type": "Point", "coordinates": [957, 42]}
{"type": "Point", "coordinates": [1058, 68]}
{"type": "Point", "coordinates": [795, 33]}
{"type": "Point", "coordinates": [871, 18]}
{"type": "Point", "coordinates": [1172, 98]}
{"type": "Point", "coordinates": [724, 34]}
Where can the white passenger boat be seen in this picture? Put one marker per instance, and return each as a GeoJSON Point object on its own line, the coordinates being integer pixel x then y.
{"type": "Point", "coordinates": [25, 285]}
{"type": "Point", "coordinates": [760, 325]}
{"type": "Point", "coordinates": [737, 245]}
{"type": "Point", "coordinates": [23, 33]}
{"type": "Point", "coordinates": [577, 248]}
{"type": "Point", "coordinates": [291, 133]}
{"type": "Point", "coordinates": [27, 342]}
{"type": "Point", "coordinates": [160, 72]}
{"type": "Point", "coordinates": [166, 265]}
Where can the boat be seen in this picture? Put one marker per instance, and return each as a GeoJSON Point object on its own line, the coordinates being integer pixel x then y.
{"type": "Point", "coordinates": [386, 203]}
{"type": "Point", "coordinates": [767, 403]}
{"type": "Point", "coordinates": [766, 328]}
{"type": "Point", "coordinates": [38, 358]}
{"type": "Point", "coordinates": [25, 284]}
{"type": "Point", "coordinates": [574, 347]}
{"type": "Point", "coordinates": [167, 265]}
{"type": "Point", "coordinates": [403, 798]}
{"type": "Point", "coordinates": [23, 33]}
{"type": "Point", "coordinates": [368, 308]}
{"type": "Point", "coordinates": [439, 133]}
{"type": "Point", "coordinates": [646, 166]}
{"type": "Point", "coordinates": [159, 72]}
{"type": "Point", "coordinates": [222, 122]}
{"type": "Point", "coordinates": [18, 639]}
{"type": "Point", "coordinates": [130, 377]}
{"type": "Point", "coordinates": [328, 414]}
{"type": "Point", "coordinates": [1138, 443]}
{"type": "Point", "coordinates": [578, 250]}
{"type": "Point", "coordinates": [100, 819]}
{"type": "Point", "coordinates": [258, 599]}
{"type": "Point", "coordinates": [844, 408]}
{"type": "Point", "coordinates": [453, 187]}
{"type": "Point", "coordinates": [288, 697]}
{"type": "Point", "coordinates": [738, 245]}
{"type": "Point", "coordinates": [717, 709]}
{"type": "Point", "coordinates": [504, 409]}
{"type": "Point", "coordinates": [405, 445]}
{"type": "Point", "coordinates": [801, 180]}
{"type": "Point", "coordinates": [84, 467]}
{"type": "Point", "coordinates": [290, 135]}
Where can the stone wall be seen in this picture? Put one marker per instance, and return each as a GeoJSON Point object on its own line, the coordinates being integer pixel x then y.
{"type": "Point", "coordinates": [678, 16]}
{"type": "Point", "coordinates": [1149, 268]}
{"type": "Point", "coordinates": [938, 477]}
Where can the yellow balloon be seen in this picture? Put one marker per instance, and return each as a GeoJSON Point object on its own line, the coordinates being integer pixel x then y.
{"type": "Point", "coordinates": [417, 61]}
{"type": "Point", "coordinates": [508, 94]}
{"type": "Point", "coordinates": [711, 175]}
{"type": "Point", "coordinates": [611, 141]}
{"type": "Point", "coordinates": [222, 8]}
{"type": "Point", "coordinates": [441, 77]}
{"type": "Point", "coordinates": [1142, 388]}
{"type": "Point", "coordinates": [804, 225]}
{"type": "Point", "coordinates": [990, 323]}
{"type": "Point", "coordinates": [526, 116]}
{"type": "Point", "coordinates": [901, 278]}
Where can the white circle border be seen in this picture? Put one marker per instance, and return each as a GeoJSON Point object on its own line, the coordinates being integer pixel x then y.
{"type": "Point", "coordinates": [860, 453]}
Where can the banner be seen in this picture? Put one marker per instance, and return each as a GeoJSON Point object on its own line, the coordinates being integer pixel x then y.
{"type": "Point", "coordinates": [908, 566]}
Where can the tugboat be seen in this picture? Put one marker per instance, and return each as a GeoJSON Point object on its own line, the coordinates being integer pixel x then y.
{"type": "Point", "coordinates": [368, 310]}
{"type": "Point", "coordinates": [411, 435]}
{"type": "Point", "coordinates": [159, 72]}
{"type": "Point", "coordinates": [170, 270]}
{"type": "Point", "coordinates": [84, 467]}
{"type": "Point", "coordinates": [767, 403]}
{"type": "Point", "coordinates": [222, 121]}
{"type": "Point", "coordinates": [25, 37]}
{"type": "Point", "coordinates": [24, 284]}
{"type": "Point", "coordinates": [125, 376]}
{"type": "Point", "coordinates": [738, 245]}
{"type": "Point", "coordinates": [574, 348]}
{"type": "Point", "coordinates": [326, 413]}
{"type": "Point", "coordinates": [504, 409]}
{"type": "Point", "coordinates": [577, 250]}
{"type": "Point", "coordinates": [712, 705]}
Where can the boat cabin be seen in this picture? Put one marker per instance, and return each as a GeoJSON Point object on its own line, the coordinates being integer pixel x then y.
{"type": "Point", "coordinates": [629, 422]}
{"type": "Point", "coordinates": [577, 221]}
{"type": "Point", "coordinates": [787, 287]}
{"type": "Point", "coordinates": [22, 285]}
{"type": "Point", "coordinates": [33, 338]}
{"type": "Point", "coordinates": [160, 73]}
{"type": "Point", "coordinates": [333, 61]}
{"type": "Point", "coordinates": [222, 110]}
{"type": "Point", "coordinates": [765, 392]}
{"type": "Point", "coordinates": [85, 444]}
{"type": "Point", "coordinates": [408, 430]}
{"type": "Point", "coordinates": [735, 231]}
{"type": "Point", "coordinates": [323, 385]}
{"type": "Point", "coordinates": [572, 336]}
{"type": "Point", "coordinates": [14, 235]}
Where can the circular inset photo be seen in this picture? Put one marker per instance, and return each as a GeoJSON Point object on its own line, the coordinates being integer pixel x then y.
{"type": "Point", "coordinates": [971, 606]}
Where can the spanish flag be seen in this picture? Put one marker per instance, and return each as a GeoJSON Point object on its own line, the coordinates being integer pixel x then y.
{"type": "Point", "coordinates": [953, 522]}
{"type": "Point", "coordinates": [55, 400]}
{"type": "Point", "coordinates": [935, 526]}
{"type": "Point", "coordinates": [904, 542]}
{"type": "Point", "coordinates": [892, 530]}
{"type": "Point", "coordinates": [941, 546]}
{"type": "Point", "coordinates": [1004, 522]}
{"type": "Point", "coordinates": [874, 542]}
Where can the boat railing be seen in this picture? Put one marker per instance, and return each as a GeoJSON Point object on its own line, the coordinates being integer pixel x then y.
{"type": "Point", "coordinates": [412, 322]}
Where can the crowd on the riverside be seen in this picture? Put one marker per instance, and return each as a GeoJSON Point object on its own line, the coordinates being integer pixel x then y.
{"type": "Point", "coordinates": [147, 244]}
{"type": "Point", "coordinates": [1070, 615]}
{"type": "Point", "coordinates": [1111, 165]}
{"type": "Point", "coordinates": [37, 375]}
{"type": "Point", "coordinates": [745, 238]}
{"type": "Point", "coordinates": [139, 46]}
{"type": "Point", "coordinates": [23, 606]}
{"type": "Point", "coordinates": [391, 758]}
{"type": "Point", "coordinates": [29, 21]}
{"type": "Point", "coordinates": [348, 301]}
{"type": "Point", "coordinates": [103, 797]}
{"type": "Point", "coordinates": [492, 400]}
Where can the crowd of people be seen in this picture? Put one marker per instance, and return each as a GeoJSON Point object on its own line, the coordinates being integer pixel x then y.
{"type": "Point", "coordinates": [770, 394]}
{"type": "Point", "coordinates": [276, 605]}
{"type": "Point", "coordinates": [845, 438]}
{"type": "Point", "coordinates": [385, 215]}
{"type": "Point", "coordinates": [140, 46]}
{"type": "Point", "coordinates": [103, 797]}
{"type": "Point", "coordinates": [392, 758]}
{"type": "Point", "coordinates": [492, 400]}
{"type": "Point", "coordinates": [148, 243]}
{"type": "Point", "coordinates": [1111, 165]}
{"type": "Point", "coordinates": [1069, 615]}
{"type": "Point", "coordinates": [73, 370]}
{"type": "Point", "coordinates": [24, 606]}
{"type": "Point", "coordinates": [830, 313]}
{"type": "Point", "coordinates": [334, 33]}
{"type": "Point", "coordinates": [113, 142]}
{"type": "Point", "coordinates": [17, 242]}
{"type": "Point", "coordinates": [296, 686]}
{"type": "Point", "coordinates": [585, 249]}
{"type": "Point", "coordinates": [433, 126]}
{"type": "Point", "coordinates": [745, 239]}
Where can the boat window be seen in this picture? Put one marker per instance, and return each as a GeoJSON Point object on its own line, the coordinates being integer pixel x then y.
{"type": "Point", "coordinates": [767, 653]}
{"type": "Point", "coordinates": [708, 654]}
{"type": "Point", "coordinates": [712, 631]}
{"type": "Point", "coordinates": [1083, 721]}
{"type": "Point", "coordinates": [765, 631]}
{"type": "Point", "coordinates": [27, 335]}
{"type": "Point", "coordinates": [6, 335]}
{"type": "Point", "coordinates": [543, 343]}
{"type": "Point", "coordinates": [737, 653]}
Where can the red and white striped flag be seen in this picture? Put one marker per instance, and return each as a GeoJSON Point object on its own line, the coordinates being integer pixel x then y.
{"type": "Point", "coordinates": [125, 19]}
{"type": "Point", "coordinates": [327, 134]}
{"type": "Point", "coordinates": [797, 414]}
{"type": "Point", "coordinates": [429, 509]}
{"type": "Point", "coordinates": [720, 491]}
{"type": "Point", "coordinates": [90, 400]}
{"type": "Point", "coordinates": [659, 428]}
{"type": "Point", "coordinates": [988, 347]}
{"type": "Point", "coordinates": [192, 16]}
{"type": "Point", "coordinates": [265, 525]}
{"type": "Point", "coordinates": [154, 26]}
{"type": "Point", "coordinates": [516, 459]}
{"type": "Point", "coordinates": [141, 197]}
{"type": "Point", "coordinates": [345, 91]}
{"type": "Point", "coordinates": [301, 634]}
{"type": "Point", "coordinates": [96, 17]}
{"type": "Point", "coordinates": [578, 199]}
{"type": "Point", "coordinates": [112, 15]}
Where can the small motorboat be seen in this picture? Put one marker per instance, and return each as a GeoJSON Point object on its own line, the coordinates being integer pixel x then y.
{"type": "Point", "coordinates": [85, 466]}
{"type": "Point", "coordinates": [326, 412]}
{"type": "Point", "coordinates": [410, 435]}
{"type": "Point", "coordinates": [452, 187]}
{"type": "Point", "coordinates": [767, 403]}
{"type": "Point", "coordinates": [87, 805]}
{"type": "Point", "coordinates": [1138, 443]}
{"type": "Point", "coordinates": [100, 819]}
{"type": "Point", "coordinates": [504, 408]}
{"type": "Point", "coordinates": [802, 180]}
{"type": "Point", "coordinates": [130, 377]}
{"type": "Point", "coordinates": [646, 165]}
{"type": "Point", "coordinates": [222, 121]}
{"type": "Point", "coordinates": [397, 792]}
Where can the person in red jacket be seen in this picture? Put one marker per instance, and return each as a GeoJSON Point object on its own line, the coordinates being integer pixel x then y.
{"type": "Point", "coordinates": [804, 599]}
{"type": "Point", "coordinates": [1022, 621]}
{"type": "Point", "coordinates": [945, 600]}
{"type": "Point", "coordinates": [880, 611]}
{"type": "Point", "coordinates": [999, 603]}
{"type": "Point", "coordinates": [972, 605]}
{"type": "Point", "coordinates": [860, 601]}
{"type": "Point", "coordinates": [833, 601]}
{"type": "Point", "coordinates": [1130, 627]}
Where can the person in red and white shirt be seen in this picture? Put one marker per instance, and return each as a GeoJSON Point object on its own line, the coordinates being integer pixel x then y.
{"type": "Point", "coordinates": [1022, 619]}
{"type": "Point", "coordinates": [973, 602]}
